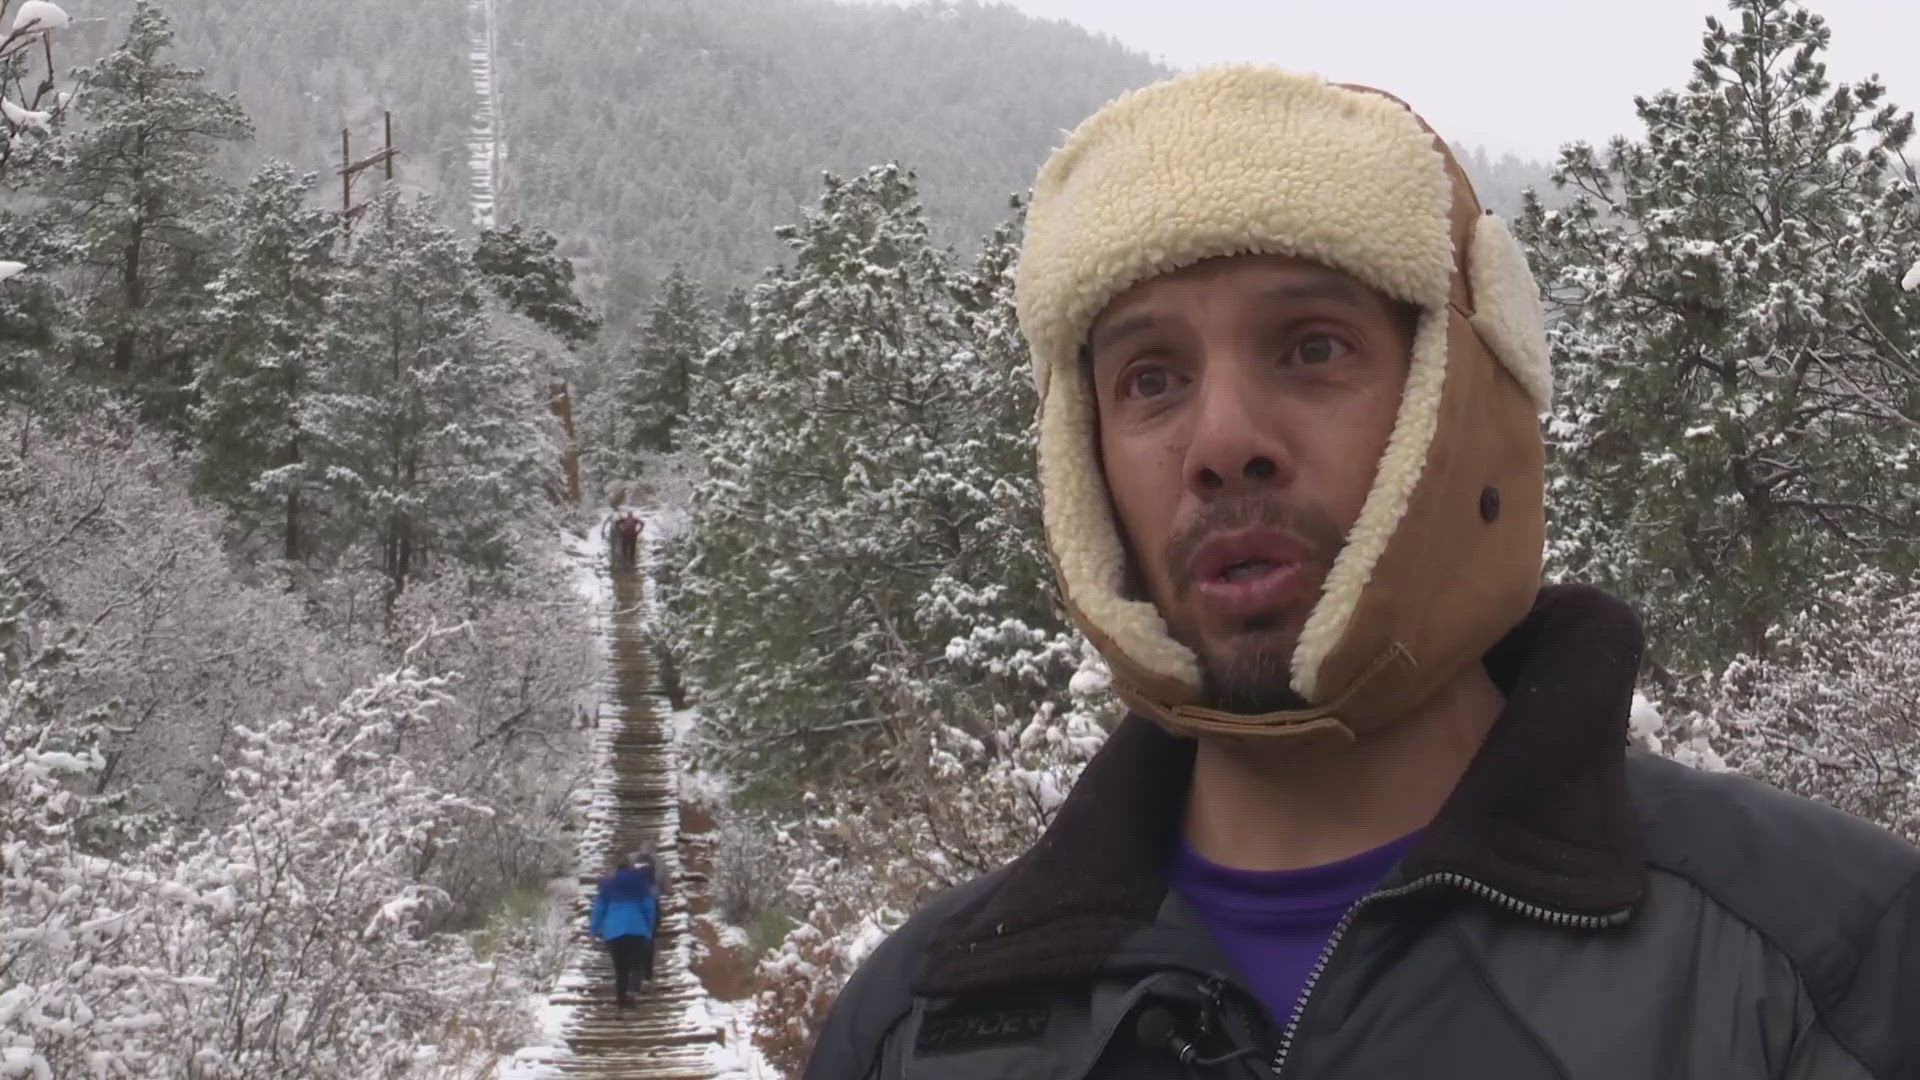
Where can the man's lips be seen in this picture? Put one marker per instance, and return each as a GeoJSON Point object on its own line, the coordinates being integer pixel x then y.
{"type": "Point", "coordinates": [1249, 572]}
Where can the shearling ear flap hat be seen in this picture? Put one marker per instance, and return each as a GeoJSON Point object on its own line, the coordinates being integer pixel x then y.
{"type": "Point", "coordinates": [1446, 554]}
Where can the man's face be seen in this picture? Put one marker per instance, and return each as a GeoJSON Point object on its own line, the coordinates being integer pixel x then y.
{"type": "Point", "coordinates": [1243, 404]}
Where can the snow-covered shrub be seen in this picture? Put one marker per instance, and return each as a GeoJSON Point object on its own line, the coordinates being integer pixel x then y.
{"type": "Point", "coordinates": [751, 862]}
{"type": "Point", "coordinates": [312, 944]}
{"type": "Point", "coordinates": [1687, 737]}
{"type": "Point", "coordinates": [180, 643]}
{"type": "Point", "coordinates": [72, 998]}
{"type": "Point", "coordinates": [284, 943]}
{"type": "Point", "coordinates": [798, 982]}
{"type": "Point", "coordinates": [286, 940]}
{"type": "Point", "coordinates": [1834, 713]}
{"type": "Point", "coordinates": [517, 659]}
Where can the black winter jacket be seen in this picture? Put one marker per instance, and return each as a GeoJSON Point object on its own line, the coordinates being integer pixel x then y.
{"type": "Point", "coordinates": [1575, 911]}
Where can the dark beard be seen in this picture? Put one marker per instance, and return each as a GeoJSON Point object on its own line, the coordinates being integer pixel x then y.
{"type": "Point", "coordinates": [1250, 684]}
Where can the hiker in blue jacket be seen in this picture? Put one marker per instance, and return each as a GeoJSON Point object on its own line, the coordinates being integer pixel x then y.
{"type": "Point", "coordinates": [626, 909]}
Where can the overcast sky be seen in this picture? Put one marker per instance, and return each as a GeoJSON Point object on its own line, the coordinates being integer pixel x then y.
{"type": "Point", "coordinates": [1520, 75]}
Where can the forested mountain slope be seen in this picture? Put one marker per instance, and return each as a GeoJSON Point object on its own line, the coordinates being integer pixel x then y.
{"type": "Point", "coordinates": [661, 131]}
{"type": "Point", "coordinates": [303, 71]}
{"type": "Point", "coordinates": [646, 132]}
{"type": "Point", "coordinates": [650, 132]}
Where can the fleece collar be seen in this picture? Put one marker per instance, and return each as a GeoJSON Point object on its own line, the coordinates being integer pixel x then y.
{"type": "Point", "coordinates": [1541, 814]}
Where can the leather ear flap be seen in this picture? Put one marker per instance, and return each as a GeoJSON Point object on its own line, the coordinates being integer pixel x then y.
{"type": "Point", "coordinates": [1507, 308]}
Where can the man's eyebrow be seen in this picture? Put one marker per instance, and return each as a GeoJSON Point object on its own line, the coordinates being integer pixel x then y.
{"type": "Point", "coordinates": [1311, 287]}
{"type": "Point", "coordinates": [1317, 287]}
{"type": "Point", "coordinates": [1125, 326]}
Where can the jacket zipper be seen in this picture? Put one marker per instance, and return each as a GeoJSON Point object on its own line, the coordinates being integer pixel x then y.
{"type": "Point", "coordinates": [1483, 891]}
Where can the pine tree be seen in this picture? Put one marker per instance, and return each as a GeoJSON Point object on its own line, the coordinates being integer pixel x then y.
{"type": "Point", "coordinates": [655, 376]}
{"type": "Point", "coordinates": [523, 267]}
{"type": "Point", "coordinates": [1737, 421]}
{"type": "Point", "coordinates": [130, 181]}
{"type": "Point", "coordinates": [817, 412]}
{"type": "Point", "coordinates": [265, 335]}
{"type": "Point", "coordinates": [425, 435]}
{"type": "Point", "coordinates": [865, 565]}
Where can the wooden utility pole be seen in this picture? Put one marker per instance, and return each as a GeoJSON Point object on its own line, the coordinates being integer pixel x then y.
{"type": "Point", "coordinates": [350, 169]}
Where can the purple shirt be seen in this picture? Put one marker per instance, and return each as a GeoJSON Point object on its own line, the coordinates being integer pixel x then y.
{"type": "Point", "coordinates": [1273, 924]}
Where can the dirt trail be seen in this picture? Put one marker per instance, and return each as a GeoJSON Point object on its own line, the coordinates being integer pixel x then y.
{"type": "Point", "coordinates": [634, 807]}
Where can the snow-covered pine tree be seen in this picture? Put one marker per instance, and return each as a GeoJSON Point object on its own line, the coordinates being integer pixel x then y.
{"type": "Point", "coordinates": [993, 706]}
{"type": "Point", "coordinates": [653, 378]}
{"type": "Point", "coordinates": [524, 267]}
{"type": "Point", "coordinates": [806, 556]}
{"type": "Point", "coordinates": [544, 320]}
{"type": "Point", "coordinates": [264, 340]}
{"type": "Point", "coordinates": [1737, 421]}
{"type": "Point", "coordinates": [865, 565]}
{"type": "Point", "coordinates": [425, 431]}
{"type": "Point", "coordinates": [129, 181]}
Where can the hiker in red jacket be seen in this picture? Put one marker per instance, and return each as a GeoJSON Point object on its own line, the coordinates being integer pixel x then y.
{"type": "Point", "coordinates": [627, 531]}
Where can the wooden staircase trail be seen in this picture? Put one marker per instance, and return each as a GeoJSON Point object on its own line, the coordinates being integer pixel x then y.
{"type": "Point", "coordinates": [664, 1035]}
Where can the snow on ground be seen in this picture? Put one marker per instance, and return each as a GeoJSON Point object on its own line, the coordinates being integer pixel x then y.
{"type": "Point", "coordinates": [738, 1058]}
{"type": "Point", "coordinates": [535, 1061]}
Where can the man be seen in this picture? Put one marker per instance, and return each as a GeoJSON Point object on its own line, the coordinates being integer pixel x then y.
{"type": "Point", "coordinates": [628, 528]}
{"type": "Point", "coordinates": [626, 911]}
{"type": "Point", "coordinates": [1373, 814]}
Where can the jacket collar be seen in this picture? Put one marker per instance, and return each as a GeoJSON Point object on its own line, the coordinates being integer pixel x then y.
{"type": "Point", "coordinates": [1540, 815]}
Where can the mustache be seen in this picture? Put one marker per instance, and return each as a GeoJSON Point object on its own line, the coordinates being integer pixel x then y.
{"type": "Point", "coordinates": [1309, 524]}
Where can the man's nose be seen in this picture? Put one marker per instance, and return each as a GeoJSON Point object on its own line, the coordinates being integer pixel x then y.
{"type": "Point", "coordinates": [1237, 438]}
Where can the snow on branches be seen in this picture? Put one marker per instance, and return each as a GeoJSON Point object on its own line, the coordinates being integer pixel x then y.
{"type": "Point", "coordinates": [33, 24]}
{"type": "Point", "coordinates": [20, 117]}
{"type": "Point", "coordinates": [1834, 713]}
{"type": "Point", "coordinates": [38, 17]}
{"type": "Point", "coordinates": [208, 858]}
{"type": "Point", "coordinates": [282, 944]}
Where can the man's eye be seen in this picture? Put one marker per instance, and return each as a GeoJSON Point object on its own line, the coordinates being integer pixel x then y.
{"type": "Point", "coordinates": [1319, 349]}
{"type": "Point", "coordinates": [1146, 383]}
